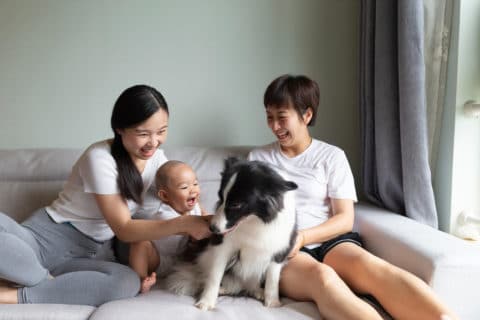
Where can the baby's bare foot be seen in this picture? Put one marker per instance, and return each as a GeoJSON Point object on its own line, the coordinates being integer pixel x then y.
{"type": "Point", "coordinates": [148, 282]}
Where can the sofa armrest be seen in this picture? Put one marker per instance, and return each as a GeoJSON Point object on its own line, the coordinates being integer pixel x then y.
{"type": "Point", "coordinates": [451, 266]}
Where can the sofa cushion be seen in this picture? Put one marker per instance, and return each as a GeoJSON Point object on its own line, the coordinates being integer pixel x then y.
{"type": "Point", "coordinates": [45, 312]}
{"type": "Point", "coordinates": [159, 304]}
{"type": "Point", "coordinates": [32, 178]}
{"type": "Point", "coordinates": [449, 265]}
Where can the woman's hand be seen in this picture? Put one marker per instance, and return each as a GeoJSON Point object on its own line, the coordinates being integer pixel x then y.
{"type": "Point", "coordinates": [299, 243]}
{"type": "Point", "coordinates": [198, 227]}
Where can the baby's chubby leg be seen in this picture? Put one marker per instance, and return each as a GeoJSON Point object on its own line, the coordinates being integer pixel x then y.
{"type": "Point", "coordinates": [144, 259]}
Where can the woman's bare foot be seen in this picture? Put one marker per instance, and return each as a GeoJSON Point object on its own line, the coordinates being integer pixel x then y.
{"type": "Point", "coordinates": [148, 282]}
{"type": "Point", "coordinates": [7, 294]}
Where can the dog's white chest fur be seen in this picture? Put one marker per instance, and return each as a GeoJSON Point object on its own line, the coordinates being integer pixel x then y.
{"type": "Point", "coordinates": [254, 243]}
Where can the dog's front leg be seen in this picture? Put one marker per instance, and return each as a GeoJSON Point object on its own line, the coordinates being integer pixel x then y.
{"type": "Point", "coordinates": [272, 279]}
{"type": "Point", "coordinates": [213, 265]}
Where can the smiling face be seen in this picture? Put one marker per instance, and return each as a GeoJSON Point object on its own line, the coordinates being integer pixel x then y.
{"type": "Point", "coordinates": [181, 190]}
{"type": "Point", "coordinates": [289, 127]}
{"type": "Point", "coordinates": [141, 141]}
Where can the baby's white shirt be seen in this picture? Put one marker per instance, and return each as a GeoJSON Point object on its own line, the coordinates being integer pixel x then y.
{"type": "Point", "coordinates": [169, 247]}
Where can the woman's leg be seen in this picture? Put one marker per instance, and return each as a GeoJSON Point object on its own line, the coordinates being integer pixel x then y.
{"type": "Point", "coordinates": [304, 278]}
{"type": "Point", "coordinates": [19, 252]}
{"type": "Point", "coordinates": [401, 293]}
{"type": "Point", "coordinates": [84, 281]}
{"type": "Point", "coordinates": [77, 262]}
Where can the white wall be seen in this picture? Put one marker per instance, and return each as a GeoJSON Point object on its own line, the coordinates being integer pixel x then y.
{"type": "Point", "coordinates": [63, 63]}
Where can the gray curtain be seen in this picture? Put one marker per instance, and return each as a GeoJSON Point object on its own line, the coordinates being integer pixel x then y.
{"type": "Point", "coordinates": [395, 168]}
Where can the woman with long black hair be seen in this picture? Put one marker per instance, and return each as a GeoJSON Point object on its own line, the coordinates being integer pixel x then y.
{"type": "Point", "coordinates": [63, 252]}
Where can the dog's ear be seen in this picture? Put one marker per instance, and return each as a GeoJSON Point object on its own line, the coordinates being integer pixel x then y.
{"type": "Point", "coordinates": [272, 206]}
{"type": "Point", "coordinates": [290, 185]}
{"type": "Point", "coordinates": [228, 169]}
{"type": "Point", "coordinates": [230, 162]}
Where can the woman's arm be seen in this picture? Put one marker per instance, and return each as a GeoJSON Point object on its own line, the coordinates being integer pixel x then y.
{"type": "Point", "coordinates": [118, 217]}
{"type": "Point", "coordinates": [341, 222]}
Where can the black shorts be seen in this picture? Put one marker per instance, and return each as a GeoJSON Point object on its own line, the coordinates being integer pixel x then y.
{"type": "Point", "coordinates": [319, 252]}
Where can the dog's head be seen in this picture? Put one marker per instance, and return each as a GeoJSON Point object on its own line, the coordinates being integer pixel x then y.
{"type": "Point", "coordinates": [248, 188]}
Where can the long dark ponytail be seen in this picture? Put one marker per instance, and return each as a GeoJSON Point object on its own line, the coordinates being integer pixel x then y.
{"type": "Point", "coordinates": [135, 105]}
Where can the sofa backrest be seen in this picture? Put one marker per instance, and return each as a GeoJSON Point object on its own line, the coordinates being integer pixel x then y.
{"type": "Point", "coordinates": [32, 178]}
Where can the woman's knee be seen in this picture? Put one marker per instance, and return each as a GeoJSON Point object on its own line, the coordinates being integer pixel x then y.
{"type": "Point", "coordinates": [323, 276]}
{"type": "Point", "coordinates": [125, 283]}
{"type": "Point", "coordinates": [365, 273]}
{"type": "Point", "coordinates": [372, 266]}
{"type": "Point", "coordinates": [6, 222]}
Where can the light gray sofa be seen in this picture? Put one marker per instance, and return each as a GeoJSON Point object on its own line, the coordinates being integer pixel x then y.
{"type": "Point", "coordinates": [30, 179]}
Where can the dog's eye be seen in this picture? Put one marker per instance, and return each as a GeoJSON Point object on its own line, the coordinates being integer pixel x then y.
{"type": "Point", "coordinates": [234, 206]}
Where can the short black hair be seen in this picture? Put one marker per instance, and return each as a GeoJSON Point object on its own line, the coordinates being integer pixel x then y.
{"type": "Point", "coordinates": [299, 91]}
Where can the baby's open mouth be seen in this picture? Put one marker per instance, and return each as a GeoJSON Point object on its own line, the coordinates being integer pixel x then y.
{"type": "Point", "coordinates": [191, 201]}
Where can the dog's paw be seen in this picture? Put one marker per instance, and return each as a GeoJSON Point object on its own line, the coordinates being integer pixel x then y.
{"type": "Point", "coordinates": [204, 304]}
{"type": "Point", "coordinates": [259, 295]}
{"type": "Point", "coordinates": [272, 303]}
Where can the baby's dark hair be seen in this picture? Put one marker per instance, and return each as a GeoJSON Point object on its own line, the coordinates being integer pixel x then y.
{"type": "Point", "coordinates": [162, 176]}
{"type": "Point", "coordinates": [299, 91]}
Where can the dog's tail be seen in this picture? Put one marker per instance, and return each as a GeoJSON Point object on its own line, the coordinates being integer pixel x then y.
{"type": "Point", "coordinates": [183, 280]}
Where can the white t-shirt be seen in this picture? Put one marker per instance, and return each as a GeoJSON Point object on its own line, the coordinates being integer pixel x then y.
{"type": "Point", "coordinates": [95, 172]}
{"type": "Point", "coordinates": [169, 247]}
{"type": "Point", "coordinates": [321, 172]}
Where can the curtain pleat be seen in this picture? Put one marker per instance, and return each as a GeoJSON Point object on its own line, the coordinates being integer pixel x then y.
{"type": "Point", "coordinates": [395, 169]}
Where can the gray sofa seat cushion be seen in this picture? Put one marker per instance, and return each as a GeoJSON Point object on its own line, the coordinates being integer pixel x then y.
{"type": "Point", "coordinates": [159, 304]}
{"type": "Point", "coordinates": [45, 312]}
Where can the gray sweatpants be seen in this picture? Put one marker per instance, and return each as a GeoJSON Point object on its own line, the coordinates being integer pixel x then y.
{"type": "Point", "coordinates": [84, 270]}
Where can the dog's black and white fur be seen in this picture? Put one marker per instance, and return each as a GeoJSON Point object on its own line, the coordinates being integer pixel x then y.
{"type": "Point", "coordinates": [254, 230]}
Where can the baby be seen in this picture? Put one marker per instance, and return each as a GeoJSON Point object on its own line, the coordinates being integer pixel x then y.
{"type": "Point", "coordinates": [179, 192]}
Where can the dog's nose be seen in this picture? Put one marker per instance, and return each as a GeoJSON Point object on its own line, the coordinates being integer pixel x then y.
{"type": "Point", "coordinates": [214, 229]}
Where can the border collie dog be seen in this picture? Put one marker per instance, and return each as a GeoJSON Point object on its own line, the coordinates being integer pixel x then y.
{"type": "Point", "coordinates": [253, 232]}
